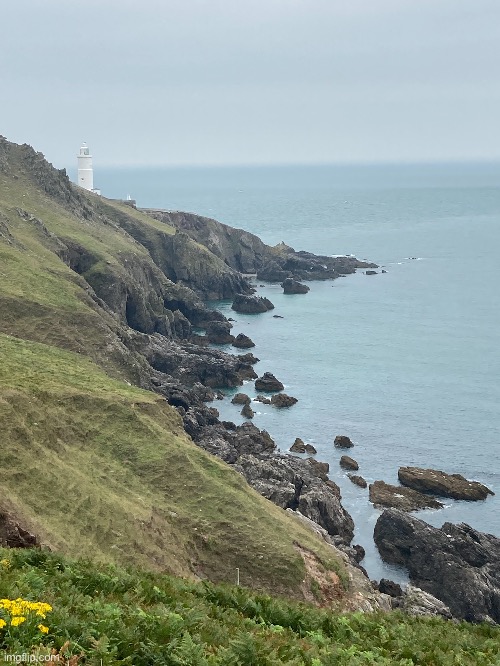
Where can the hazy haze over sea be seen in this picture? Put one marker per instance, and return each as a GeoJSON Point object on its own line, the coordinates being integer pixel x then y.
{"type": "Point", "coordinates": [404, 363]}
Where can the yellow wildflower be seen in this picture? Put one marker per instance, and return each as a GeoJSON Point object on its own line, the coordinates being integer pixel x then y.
{"type": "Point", "coordinates": [5, 563]}
{"type": "Point", "coordinates": [2, 623]}
{"type": "Point", "coordinates": [16, 621]}
{"type": "Point", "coordinates": [43, 629]}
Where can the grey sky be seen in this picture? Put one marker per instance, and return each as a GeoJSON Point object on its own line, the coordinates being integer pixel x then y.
{"type": "Point", "coordinates": [255, 81]}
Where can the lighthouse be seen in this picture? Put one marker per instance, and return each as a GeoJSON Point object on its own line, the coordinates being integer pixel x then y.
{"type": "Point", "coordinates": [85, 172]}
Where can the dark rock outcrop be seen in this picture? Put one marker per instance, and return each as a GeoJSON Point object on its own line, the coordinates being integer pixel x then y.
{"type": "Point", "coordinates": [291, 286]}
{"type": "Point", "coordinates": [269, 383]}
{"type": "Point", "coordinates": [370, 272]}
{"type": "Point", "coordinates": [441, 484]}
{"type": "Point", "coordinates": [298, 446]}
{"type": "Point", "coordinates": [271, 271]}
{"type": "Point", "coordinates": [389, 587]}
{"type": "Point", "coordinates": [12, 535]}
{"type": "Point", "coordinates": [385, 495]}
{"type": "Point", "coordinates": [247, 411]}
{"type": "Point", "coordinates": [282, 400]}
{"type": "Point", "coordinates": [263, 399]}
{"type": "Point", "coordinates": [357, 480]}
{"type": "Point", "coordinates": [241, 399]}
{"type": "Point", "coordinates": [455, 563]}
{"type": "Point", "coordinates": [343, 442]}
{"type": "Point", "coordinates": [251, 304]}
{"type": "Point", "coordinates": [288, 481]}
{"type": "Point", "coordinates": [242, 341]}
{"type": "Point", "coordinates": [311, 449]}
{"type": "Point", "coordinates": [348, 463]}
{"type": "Point", "coordinates": [219, 332]}
{"type": "Point", "coordinates": [291, 483]}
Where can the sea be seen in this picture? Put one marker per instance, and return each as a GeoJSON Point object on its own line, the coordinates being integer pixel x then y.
{"type": "Point", "coordinates": [405, 363]}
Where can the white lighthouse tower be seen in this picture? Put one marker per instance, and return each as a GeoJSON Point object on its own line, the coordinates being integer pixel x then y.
{"type": "Point", "coordinates": [85, 171]}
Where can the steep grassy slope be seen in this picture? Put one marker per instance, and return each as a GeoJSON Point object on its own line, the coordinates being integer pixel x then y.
{"type": "Point", "coordinates": [99, 468]}
{"type": "Point", "coordinates": [91, 464]}
{"type": "Point", "coordinates": [130, 617]}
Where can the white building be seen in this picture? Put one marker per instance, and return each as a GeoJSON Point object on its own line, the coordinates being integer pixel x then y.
{"type": "Point", "coordinates": [85, 171]}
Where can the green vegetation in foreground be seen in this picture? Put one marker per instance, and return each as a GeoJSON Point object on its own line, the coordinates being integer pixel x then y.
{"type": "Point", "coordinates": [143, 619]}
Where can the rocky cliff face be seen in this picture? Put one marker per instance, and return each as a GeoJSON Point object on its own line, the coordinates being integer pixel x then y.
{"type": "Point", "coordinates": [246, 253]}
{"type": "Point", "coordinates": [456, 563]}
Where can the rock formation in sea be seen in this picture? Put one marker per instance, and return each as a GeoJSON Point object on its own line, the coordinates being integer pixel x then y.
{"type": "Point", "coordinates": [455, 563]}
{"type": "Point", "coordinates": [385, 495]}
{"type": "Point", "coordinates": [291, 286]}
{"type": "Point", "coordinates": [442, 484]}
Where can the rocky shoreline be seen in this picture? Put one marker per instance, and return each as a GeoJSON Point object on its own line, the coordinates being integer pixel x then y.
{"type": "Point", "coordinates": [148, 306]}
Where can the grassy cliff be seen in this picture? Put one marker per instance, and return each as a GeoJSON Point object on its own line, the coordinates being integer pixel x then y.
{"type": "Point", "coordinates": [92, 464]}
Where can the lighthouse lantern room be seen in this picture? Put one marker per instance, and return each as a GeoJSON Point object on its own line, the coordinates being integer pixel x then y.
{"type": "Point", "coordinates": [85, 171]}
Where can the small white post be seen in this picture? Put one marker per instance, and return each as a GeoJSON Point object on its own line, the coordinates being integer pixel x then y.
{"type": "Point", "coordinates": [237, 575]}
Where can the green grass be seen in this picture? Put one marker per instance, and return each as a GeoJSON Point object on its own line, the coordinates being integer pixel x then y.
{"type": "Point", "coordinates": [101, 468]}
{"type": "Point", "coordinates": [125, 616]}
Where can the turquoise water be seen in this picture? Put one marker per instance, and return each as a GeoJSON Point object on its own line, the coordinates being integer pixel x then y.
{"type": "Point", "coordinates": [404, 363]}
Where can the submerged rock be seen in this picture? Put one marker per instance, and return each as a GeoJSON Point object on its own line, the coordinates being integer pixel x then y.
{"type": "Point", "coordinates": [444, 485]}
{"type": "Point", "coordinates": [455, 563]}
{"type": "Point", "coordinates": [406, 499]}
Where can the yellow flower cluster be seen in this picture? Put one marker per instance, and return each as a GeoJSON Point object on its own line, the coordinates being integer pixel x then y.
{"type": "Point", "coordinates": [19, 608]}
{"type": "Point", "coordinates": [5, 563]}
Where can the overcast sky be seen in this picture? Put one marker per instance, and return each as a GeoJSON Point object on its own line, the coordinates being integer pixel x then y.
{"type": "Point", "coordinates": [150, 82]}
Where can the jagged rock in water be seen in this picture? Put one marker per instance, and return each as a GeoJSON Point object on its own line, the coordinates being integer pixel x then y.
{"type": "Point", "coordinates": [342, 442]}
{"type": "Point", "coordinates": [291, 286]}
{"type": "Point", "coordinates": [247, 412]}
{"type": "Point", "coordinates": [263, 399]}
{"type": "Point", "coordinates": [357, 480]}
{"type": "Point", "coordinates": [241, 399]}
{"type": "Point", "coordinates": [442, 484]}
{"type": "Point", "coordinates": [283, 400]}
{"type": "Point", "coordinates": [311, 449]}
{"type": "Point", "coordinates": [268, 382]}
{"type": "Point", "coordinates": [242, 341]}
{"type": "Point", "coordinates": [384, 495]}
{"type": "Point", "coordinates": [298, 446]}
{"type": "Point", "coordinates": [251, 304]}
{"type": "Point", "coordinates": [371, 273]}
{"type": "Point", "coordinates": [348, 463]}
{"type": "Point", "coordinates": [455, 563]}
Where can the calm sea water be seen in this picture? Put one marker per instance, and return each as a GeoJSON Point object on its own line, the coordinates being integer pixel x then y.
{"type": "Point", "coordinates": [405, 363]}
